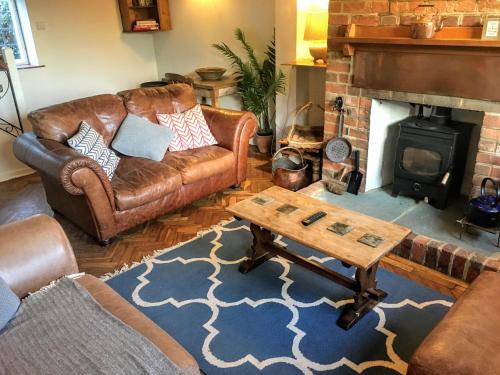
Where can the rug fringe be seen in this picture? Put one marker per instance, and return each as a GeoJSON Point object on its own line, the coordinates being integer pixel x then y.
{"type": "Point", "coordinates": [157, 253]}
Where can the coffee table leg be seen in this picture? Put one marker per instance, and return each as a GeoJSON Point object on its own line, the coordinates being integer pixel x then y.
{"type": "Point", "coordinates": [365, 299]}
{"type": "Point", "coordinates": [259, 252]}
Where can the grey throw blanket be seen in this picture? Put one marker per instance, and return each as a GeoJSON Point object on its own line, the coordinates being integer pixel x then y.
{"type": "Point", "coordinates": [63, 330]}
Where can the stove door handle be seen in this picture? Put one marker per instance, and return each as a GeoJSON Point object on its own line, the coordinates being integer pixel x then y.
{"type": "Point", "coordinates": [446, 177]}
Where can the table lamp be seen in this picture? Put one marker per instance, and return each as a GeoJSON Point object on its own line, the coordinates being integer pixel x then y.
{"type": "Point", "coordinates": [317, 32]}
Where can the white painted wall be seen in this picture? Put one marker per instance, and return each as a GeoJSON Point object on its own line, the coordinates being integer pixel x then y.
{"type": "Point", "coordinates": [383, 141]}
{"type": "Point", "coordinates": [197, 24]}
{"type": "Point", "coordinates": [286, 51]}
{"type": "Point", "coordinates": [9, 166]}
{"type": "Point", "coordinates": [304, 84]}
{"type": "Point", "coordinates": [310, 81]}
{"type": "Point", "coordinates": [84, 51]}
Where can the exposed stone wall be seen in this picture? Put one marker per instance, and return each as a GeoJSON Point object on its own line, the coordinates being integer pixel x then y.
{"type": "Point", "coordinates": [358, 102]}
{"type": "Point", "coordinates": [488, 156]}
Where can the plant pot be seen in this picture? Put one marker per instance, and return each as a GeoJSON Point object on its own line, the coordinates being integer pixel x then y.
{"type": "Point", "coordinates": [264, 143]}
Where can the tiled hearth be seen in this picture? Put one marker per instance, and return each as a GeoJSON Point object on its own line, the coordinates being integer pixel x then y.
{"type": "Point", "coordinates": [452, 257]}
{"type": "Point", "coordinates": [358, 104]}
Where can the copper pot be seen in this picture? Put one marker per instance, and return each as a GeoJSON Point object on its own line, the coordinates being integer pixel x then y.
{"type": "Point", "coordinates": [291, 179]}
{"type": "Point", "coordinates": [425, 27]}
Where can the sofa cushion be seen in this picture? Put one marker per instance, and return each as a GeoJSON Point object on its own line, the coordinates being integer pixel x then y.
{"type": "Point", "coordinates": [190, 128]}
{"type": "Point", "coordinates": [148, 102]}
{"type": "Point", "coordinates": [141, 138]}
{"type": "Point", "coordinates": [200, 163]}
{"type": "Point", "coordinates": [139, 181]}
{"type": "Point", "coordinates": [90, 143]}
{"type": "Point", "coordinates": [59, 122]}
{"type": "Point", "coordinates": [9, 303]}
{"type": "Point", "coordinates": [466, 341]}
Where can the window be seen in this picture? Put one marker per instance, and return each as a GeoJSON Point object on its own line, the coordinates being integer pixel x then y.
{"type": "Point", "coordinates": [15, 31]}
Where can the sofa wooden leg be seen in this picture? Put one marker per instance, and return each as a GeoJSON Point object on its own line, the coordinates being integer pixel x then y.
{"type": "Point", "coordinates": [104, 243]}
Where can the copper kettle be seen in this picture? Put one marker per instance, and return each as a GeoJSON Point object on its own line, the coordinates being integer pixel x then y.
{"type": "Point", "coordinates": [426, 26]}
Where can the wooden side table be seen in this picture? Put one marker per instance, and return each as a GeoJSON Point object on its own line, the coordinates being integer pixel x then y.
{"type": "Point", "coordinates": [213, 89]}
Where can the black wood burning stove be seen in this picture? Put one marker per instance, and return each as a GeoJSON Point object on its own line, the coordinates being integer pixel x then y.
{"type": "Point", "coordinates": [431, 157]}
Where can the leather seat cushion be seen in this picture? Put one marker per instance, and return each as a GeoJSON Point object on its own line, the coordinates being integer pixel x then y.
{"type": "Point", "coordinates": [200, 163]}
{"type": "Point", "coordinates": [138, 181]}
{"type": "Point", "coordinates": [121, 309]}
{"type": "Point", "coordinates": [467, 340]}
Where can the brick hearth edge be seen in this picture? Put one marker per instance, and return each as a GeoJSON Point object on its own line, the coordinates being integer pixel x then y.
{"type": "Point", "coordinates": [449, 259]}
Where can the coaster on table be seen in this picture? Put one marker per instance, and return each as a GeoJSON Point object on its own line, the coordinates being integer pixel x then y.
{"type": "Point", "coordinates": [262, 200]}
{"type": "Point", "coordinates": [287, 209]}
{"type": "Point", "coordinates": [371, 240]}
{"type": "Point", "coordinates": [340, 228]}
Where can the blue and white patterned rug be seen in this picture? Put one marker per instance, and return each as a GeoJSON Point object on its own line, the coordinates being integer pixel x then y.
{"type": "Point", "coordinates": [278, 319]}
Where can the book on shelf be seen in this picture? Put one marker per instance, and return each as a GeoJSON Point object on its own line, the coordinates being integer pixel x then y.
{"type": "Point", "coordinates": [146, 22]}
{"type": "Point", "coordinates": [146, 28]}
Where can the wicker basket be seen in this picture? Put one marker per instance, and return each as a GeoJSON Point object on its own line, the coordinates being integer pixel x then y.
{"type": "Point", "coordinates": [303, 136]}
{"type": "Point", "coordinates": [291, 179]}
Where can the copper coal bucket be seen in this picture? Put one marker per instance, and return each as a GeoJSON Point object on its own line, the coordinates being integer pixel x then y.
{"type": "Point", "coordinates": [288, 174]}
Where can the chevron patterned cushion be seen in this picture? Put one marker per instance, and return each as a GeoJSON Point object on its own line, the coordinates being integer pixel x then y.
{"type": "Point", "coordinates": [190, 127]}
{"type": "Point", "coordinates": [91, 144]}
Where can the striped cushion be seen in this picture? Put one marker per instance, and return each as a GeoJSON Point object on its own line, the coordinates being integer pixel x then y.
{"type": "Point", "coordinates": [91, 144]}
{"type": "Point", "coordinates": [190, 127]}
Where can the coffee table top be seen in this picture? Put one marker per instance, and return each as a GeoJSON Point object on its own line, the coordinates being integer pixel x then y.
{"type": "Point", "coordinates": [316, 236]}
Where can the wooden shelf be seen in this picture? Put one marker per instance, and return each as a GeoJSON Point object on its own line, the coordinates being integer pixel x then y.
{"type": "Point", "coordinates": [463, 37]}
{"type": "Point", "coordinates": [305, 64]}
{"type": "Point", "coordinates": [422, 42]}
{"type": "Point", "coordinates": [455, 63]}
{"type": "Point", "coordinates": [130, 14]}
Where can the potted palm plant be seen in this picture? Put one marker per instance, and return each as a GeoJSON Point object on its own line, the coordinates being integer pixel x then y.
{"type": "Point", "coordinates": [258, 85]}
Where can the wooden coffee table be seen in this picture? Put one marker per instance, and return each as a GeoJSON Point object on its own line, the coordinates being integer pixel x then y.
{"type": "Point", "coordinates": [266, 221]}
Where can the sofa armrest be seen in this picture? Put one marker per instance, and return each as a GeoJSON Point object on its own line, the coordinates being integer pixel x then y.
{"type": "Point", "coordinates": [60, 162]}
{"type": "Point", "coordinates": [233, 130]}
{"type": "Point", "coordinates": [34, 252]}
{"type": "Point", "coordinates": [128, 314]}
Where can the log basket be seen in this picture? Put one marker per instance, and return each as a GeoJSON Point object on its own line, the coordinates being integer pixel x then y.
{"type": "Point", "coordinates": [286, 173]}
{"type": "Point", "coordinates": [304, 136]}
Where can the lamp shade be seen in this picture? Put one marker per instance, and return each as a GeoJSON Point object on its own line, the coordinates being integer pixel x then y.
{"type": "Point", "coordinates": [316, 26]}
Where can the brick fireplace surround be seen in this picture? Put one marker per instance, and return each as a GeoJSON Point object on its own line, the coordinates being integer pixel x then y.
{"type": "Point", "coordinates": [446, 258]}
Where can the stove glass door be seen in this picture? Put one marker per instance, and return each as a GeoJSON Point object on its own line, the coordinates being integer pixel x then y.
{"type": "Point", "coordinates": [422, 162]}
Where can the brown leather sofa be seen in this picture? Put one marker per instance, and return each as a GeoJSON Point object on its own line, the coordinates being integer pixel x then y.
{"type": "Point", "coordinates": [467, 340]}
{"type": "Point", "coordinates": [141, 189]}
{"type": "Point", "coordinates": [36, 251]}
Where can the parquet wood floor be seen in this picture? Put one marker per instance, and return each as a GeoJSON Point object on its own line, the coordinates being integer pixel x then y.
{"type": "Point", "coordinates": [25, 196]}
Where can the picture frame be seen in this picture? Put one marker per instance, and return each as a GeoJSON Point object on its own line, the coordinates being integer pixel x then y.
{"type": "Point", "coordinates": [491, 28]}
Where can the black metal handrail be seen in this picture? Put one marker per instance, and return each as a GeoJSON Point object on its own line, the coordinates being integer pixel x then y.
{"type": "Point", "coordinates": [5, 125]}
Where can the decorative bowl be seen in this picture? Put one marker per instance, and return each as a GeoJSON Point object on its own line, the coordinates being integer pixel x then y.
{"type": "Point", "coordinates": [211, 73]}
